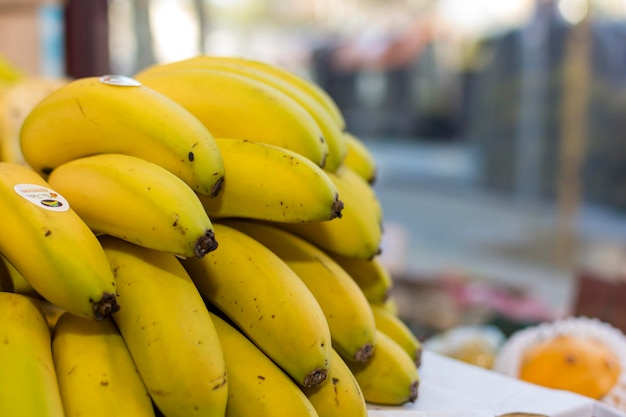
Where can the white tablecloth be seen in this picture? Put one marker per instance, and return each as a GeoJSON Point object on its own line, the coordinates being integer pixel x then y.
{"type": "Point", "coordinates": [451, 388]}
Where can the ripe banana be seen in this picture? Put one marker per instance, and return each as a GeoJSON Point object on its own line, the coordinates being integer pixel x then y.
{"type": "Point", "coordinates": [307, 85]}
{"type": "Point", "coordinates": [115, 114]}
{"type": "Point", "coordinates": [350, 319]}
{"type": "Point", "coordinates": [234, 106]}
{"type": "Point", "coordinates": [340, 394]}
{"type": "Point", "coordinates": [14, 281]}
{"type": "Point", "coordinates": [390, 377]}
{"type": "Point", "coordinates": [96, 374]}
{"type": "Point", "coordinates": [28, 387]}
{"type": "Point", "coordinates": [367, 194]}
{"type": "Point", "coordinates": [357, 233]}
{"type": "Point", "coordinates": [337, 147]}
{"type": "Point", "coordinates": [268, 182]}
{"type": "Point", "coordinates": [9, 72]}
{"type": "Point", "coordinates": [360, 158]}
{"type": "Point", "coordinates": [136, 200]}
{"type": "Point", "coordinates": [271, 305]}
{"type": "Point", "coordinates": [168, 331]}
{"type": "Point", "coordinates": [257, 386]}
{"type": "Point", "coordinates": [394, 327]}
{"type": "Point", "coordinates": [16, 101]}
{"type": "Point", "coordinates": [52, 247]}
{"type": "Point", "coordinates": [371, 275]}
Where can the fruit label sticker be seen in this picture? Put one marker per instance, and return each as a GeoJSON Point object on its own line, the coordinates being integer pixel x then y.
{"type": "Point", "coordinates": [119, 80]}
{"type": "Point", "coordinates": [42, 197]}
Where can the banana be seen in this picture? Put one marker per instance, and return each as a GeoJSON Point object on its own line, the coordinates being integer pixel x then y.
{"type": "Point", "coordinates": [271, 305]}
{"type": "Point", "coordinates": [367, 194]}
{"type": "Point", "coordinates": [371, 275]}
{"type": "Point", "coordinates": [28, 387]}
{"type": "Point", "coordinates": [390, 377]}
{"type": "Point", "coordinates": [52, 247]}
{"type": "Point", "coordinates": [357, 233]}
{"type": "Point", "coordinates": [235, 106]}
{"type": "Point", "coordinates": [116, 114]}
{"type": "Point", "coordinates": [305, 84]}
{"type": "Point", "coordinates": [337, 147]}
{"type": "Point", "coordinates": [136, 200]}
{"type": "Point", "coordinates": [14, 281]}
{"type": "Point", "coordinates": [340, 394]}
{"type": "Point", "coordinates": [9, 72]}
{"type": "Point", "coordinates": [267, 182]}
{"type": "Point", "coordinates": [394, 327]}
{"type": "Point", "coordinates": [350, 319]}
{"type": "Point", "coordinates": [96, 374]}
{"type": "Point", "coordinates": [16, 101]}
{"type": "Point", "coordinates": [168, 331]}
{"type": "Point", "coordinates": [257, 386]}
{"type": "Point", "coordinates": [360, 158]}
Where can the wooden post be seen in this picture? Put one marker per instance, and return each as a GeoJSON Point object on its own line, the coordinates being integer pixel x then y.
{"type": "Point", "coordinates": [573, 141]}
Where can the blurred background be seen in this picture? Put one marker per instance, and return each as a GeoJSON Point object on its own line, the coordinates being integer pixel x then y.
{"type": "Point", "coordinates": [497, 127]}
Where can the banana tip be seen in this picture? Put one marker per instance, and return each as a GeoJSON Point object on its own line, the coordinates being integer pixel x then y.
{"type": "Point", "coordinates": [364, 352]}
{"type": "Point", "coordinates": [106, 306]}
{"type": "Point", "coordinates": [413, 390]}
{"type": "Point", "coordinates": [315, 377]}
{"type": "Point", "coordinates": [205, 244]}
{"type": "Point", "coordinates": [337, 207]}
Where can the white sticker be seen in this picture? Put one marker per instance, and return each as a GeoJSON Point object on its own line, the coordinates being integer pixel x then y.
{"type": "Point", "coordinates": [42, 197]}
{"type": "Point", "coordinates": [119, 80]}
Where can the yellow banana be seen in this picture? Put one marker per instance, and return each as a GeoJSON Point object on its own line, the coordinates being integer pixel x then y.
{"type": "Point", "coordinates": [337, 147]}
{"type": "Point", "coordinates": [267, 300]}
{"type": "Point", "coordinates": [360, 158]}
{"type": "Point", "coordinates": [349, 316]}
{"type": "Point", "coordinates": [257, 386]}
{"type": "Point", "coordinates": [299, 81]}
{"type": "Point", "coordinates": [394, 327]}
{"type": "Point", "coordinates": [168, 331]}
{"type": "Point", "coordinates": [340, 394]}
{"type": "Point", "coordinates": [52, 247]}
{"type": "Point", "coordinates": [9, 72]}
{"type": "Point", "coordinates": [115, 114]}
{"type": "Point", "coordinates": [28, 387]}
{"type": "Point", "coordinates": [357, 233]}
{"type": "Point", "coordinates": [136, 200]}
{"type": "Point", "coordinates": [267, 182]}
{"type": "Point", "coordinates": [14, 281]}
{"type": "Point", "coordinates": [371, 275]}
{"type": "Point", "coordinates": [367, 194]}
{"type": "Point", "coordinates": [390, 377]}
{"type": "Point", "coordinates": [16, 101]}
{"type": "Point", "coordinates": [234, 106]}
{"type": "Point", "coordinates": [96, 374]}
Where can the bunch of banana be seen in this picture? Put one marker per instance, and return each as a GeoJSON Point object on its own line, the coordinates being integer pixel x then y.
{"type": "Point", "coordinates": [127, 186]}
